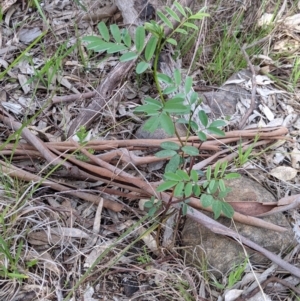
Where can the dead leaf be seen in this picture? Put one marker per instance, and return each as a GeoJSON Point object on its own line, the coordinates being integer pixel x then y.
{"type": "Point", "coordinates": [88, 294]}
{"type": "Point", "coordinates": [27, 35]}
{"type": "Point", "coordinates": [41, 238]}
{"type": "Point", "coordinates": [69, 232]}
{"type": "Point", "coordinates": [252, 208]}
{"type": "Point", "coordinates": [148, 239]}
{"type": "Point", "coordinates": [284, 173]}
{"type": "Point", "coordinates": [265, 19]}
{"type": "Point", "coordinates": [268, 113]}
{"type": "Point", "coordinates": [295, 158]}
{"type": "Point", "coordinates": [49, 263]}
{"type": "Point", "coordinates": [12, 107]}
{"type": "Point", "coordinates": [233, 294]}
{"type": "Point", "coordinates": [64, 82]}
{"type": "Point", "coordinates": [6, 4]}
{"type": "Point", "coordinates": [23, 82]}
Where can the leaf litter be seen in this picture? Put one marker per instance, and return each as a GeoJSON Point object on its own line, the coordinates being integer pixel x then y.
{"type": "Point", "coordinates": [59, 229]}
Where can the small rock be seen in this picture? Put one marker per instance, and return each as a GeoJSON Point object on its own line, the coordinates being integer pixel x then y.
{"type": "Point", "coordinates": [218, 253]}
{"type": "Point", "coordinates": [158, 134]}
{"type": "Point", "coordinates": [223, 102]}
{"type": "Point", "coordinates": [130, 287]}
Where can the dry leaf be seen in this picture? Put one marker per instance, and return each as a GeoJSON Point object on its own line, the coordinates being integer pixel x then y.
{"type": "Point", "coordinates": [88, 294]}
{"type": "Point", "coordinates": [64, 82]}
{"type": "Point", "coordinates": [268, 113]}
{"type": "Point", "coordinates": [49, 263]}
{"type": "Point", "coordinates": [69, 232]}
{"type": "Point", "coordinates": [275, 122]}
{"type": "Point", "coordinates": [96, 252]}
{"type": "Point", "coordinates": [148, 239]}
{"type": "Point", "coordinates": [27, 35]}
{"type": "Point", "coordinates": [41, 238]}
{"type": "Point", "coordinates": [23, 82]}
{"type": "Point", "coordinates": [6, 4]}
{"type": "Point", "coordinates": [290, 120]}
{"type": "Point", "coordinates": [233, 294]}
{"type": "Point", "coordinates": [265, 19]}
{"type": "Point", "coordinates": [284, 173]}
{"type": "Point", "coordinates": [263, 80]}
{"type": "Point", "coordinates": [260, 297]}
{"type": "Point", "coordinates": [295, 158]}
{"type": "Point", "coordinates": [12, 107]}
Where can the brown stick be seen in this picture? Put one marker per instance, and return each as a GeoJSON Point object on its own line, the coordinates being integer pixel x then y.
{"type": "Point", "coordinates": [73, 97]}
{"type": "Point", "coordinates": [36, 142]}
{"type": "Point", "coordinates": [24, 175]}
{"type": "Point", "coordinates": [199, 217]}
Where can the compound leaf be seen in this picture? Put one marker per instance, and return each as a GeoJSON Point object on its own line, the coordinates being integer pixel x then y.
{"type": "Point", "coordinates": [227, 210]}
{"type": "Point", "coordinates": [188, 189]}
{"type": "Point", "coordinates": [172, 41]}
{"type": "Point", "coordinates": [165, 153]}
{"type": "Point", "coordinates": [169, 145]}
{"type": "Point", "coordinates": [140, 39]}
{"type": "Point", "coordinates": [151, 124]}
{"type": "Point", "coordinates": [164, 78]}
{"type": "Point", "coordinates": [129, 56]}
{"type": "Point", "coordinates": [166, 185]}
{"type": "Point", "coordinates": [167, 124]}
{"type": "Point", "coordinates": [173, 164]}
{"type": "Point", "coordinates": [190, 25]}
{"type": "Point", "coordinates": [190, 150]}
{"type": "Point", "coordinates": [103, 31]}
{"type": "Point", "coordinates": [206, 200]}
{"type": "Point", "coordinates": [202, 136]}
{"type": "Point", "coordinates": [217, 123]}
{"type": "Point", "coordinates": [216, 131]}
{"type": "Point", "coordinates": [116, 48]}
{"type": "Point", "coordinates": [180, 8]}
{"type": "Point", "coordinates": [203, 118]}
{"type": "Point", "coordinates": [150, 48]}
{"type": "Point", "coordinates": [173, 14]}
{"type": "Point", "coordinates": [142, 67]}
{"type": "Point", "coordinates": [165, 19]}
{"type": "Point", "coordinates": [116, 33]}
{"type": "Point", "coordinates": [179, 189]}
{"type": "Point", "coordinates": [217, 208]}
{"type": "Point", "coordinates": [188, 84]}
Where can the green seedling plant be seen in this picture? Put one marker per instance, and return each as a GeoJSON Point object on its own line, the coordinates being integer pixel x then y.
{"type": "Point", "coordinates": [51, 67]}
{"type": "Point", "coordinates": [175, 104]}
{"type": "Point", "coordinates": [295, 75]}
{"type": "Point", "coordinates": [82, 135]}
{"type": "Point", "coordinates": [144, 258]}
{"type": "Point", "coordinates": [234, 276]}
{"type": "Point", "coordinates": [10, 268]}
{"type": "Point", "coordinates": [9, 262]}
{"type": "Point", "coordinates": [244, 156]}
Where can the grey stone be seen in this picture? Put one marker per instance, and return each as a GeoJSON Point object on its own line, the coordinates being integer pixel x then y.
{"type": "Point", "coordinates": [223, 101]}
{"type": "Point", "coordinates": [218, 253]}
{"type": "Point", "coordinates": [159, 133]}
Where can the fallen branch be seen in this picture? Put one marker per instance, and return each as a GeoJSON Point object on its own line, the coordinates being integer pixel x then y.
{"type": "Point", "coordinates": [28, 177]}
{"type": "Point", "coordinates": [201, 218]}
